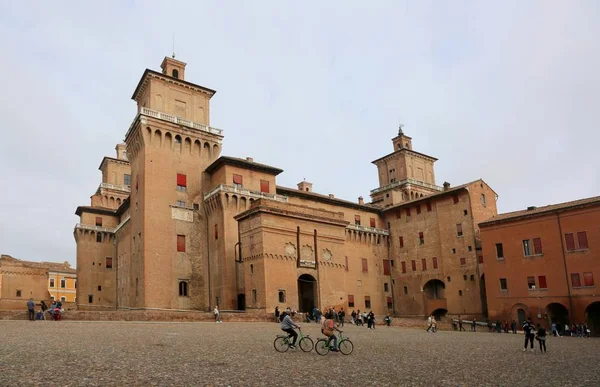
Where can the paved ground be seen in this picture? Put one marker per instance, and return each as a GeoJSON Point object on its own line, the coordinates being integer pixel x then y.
{"type": "Point", "coordinates": [128, 353]}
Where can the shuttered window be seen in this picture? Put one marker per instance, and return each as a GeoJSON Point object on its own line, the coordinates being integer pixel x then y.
{"type": "Point", "coordinates": [459, 231]}
{"type": "Point", "coordinates": [365, 266]}
{"type": "Point", "coordinates": [108, 262]}
{"type": "Point", "coordinates": [368, 302]}
{"type": "Point", "coordinates": [542, 282]}
{"type": "Point", "coordinates": [350, 301]}
{"type": "Point", "coordinates": [389, 302]}
{"type": "Point", "coordinates": [435, 263]}
{"type": "Point", "coordinates": [588, 279]}
{"type": "Point", "coordinates": [99, 221]}
{"type": "Point", "coordinates": [264, 186]}
{"type": "Point", "coordinates": [401, 241]}
{"type": "Point", "coordinates": [372, 222]}
{"type": "Point", "coordinates": [181, 180]}
{"type": "Point", "coordinates": [386, 267]}
{"type": "Point", "coordinates": [423, 264]}
{"type": "Point", "coordinates": [357, 220]}
{"type": "Point", "coordinates": [575, 280]}
{"type": "Point", "coordinates": [181, 243]}
{"type": "Point", "coordinates": [537, 246]}
{"type": "Point", "coordinates": [463, 262]}
{"type": "Point", "coordinates": [237, 179]}
{"type": "Point", "coordinates": [582, 239]}
{"type": "Point", "coordinates": [570, 242]}
{"type": "Point", "coordinates": [403, 267]}
{"type": "Point", "coordinates": [413, 263]}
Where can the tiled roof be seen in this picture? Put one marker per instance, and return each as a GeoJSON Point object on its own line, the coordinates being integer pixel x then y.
{"type": "Point", "coordinates": [541, 210]}
{"type": "Point", "coordinates": [326, 199]}
{"type": "Point", "coordinates": [63, 267]}
{"type": "Point", "coordinates": [242, 163]}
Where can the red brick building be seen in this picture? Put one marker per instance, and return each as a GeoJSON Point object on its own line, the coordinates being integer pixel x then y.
{"type": "Point", "coordinates": [544, 263]}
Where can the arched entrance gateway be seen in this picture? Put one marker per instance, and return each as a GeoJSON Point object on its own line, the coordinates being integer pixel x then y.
{"type": "Point", "coordinates": [307, 293]}
{"type": "Point", "coordinates": [557, 313]}
{"type": "Point", "coordinates": [434, 289]}
{"type": "Point", "coordinates": [439, 314]}
{"type": "Point", "coordinates": [592, 316]}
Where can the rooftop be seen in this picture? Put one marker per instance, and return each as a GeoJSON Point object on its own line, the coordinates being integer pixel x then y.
{"type": "Point", "coordinates": [325, 199]}
{"type": "Point", "coordinates": [538, 211]}
{"type": "Point", "coordinates": [247, 163]}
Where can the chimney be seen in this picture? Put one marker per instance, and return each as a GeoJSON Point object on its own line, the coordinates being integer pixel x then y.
{"type": "Point", "coordinates": [446, 186]}
{"type": "Point", "coordinates": [250, 159]}
{"type": "Point", "coordinates": [305, 186]}
{"type": "Point", "coordinates": [121, 151]}
{"type": "Point", "coordinates": [331, 196]}
{"type": "Point", "coordinates": [531, 208]}
{"type": "Point", "coordinates": [361, 200]}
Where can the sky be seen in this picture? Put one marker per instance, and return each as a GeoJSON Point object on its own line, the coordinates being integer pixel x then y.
{"type": "Point", "coordinates": [506, 91]}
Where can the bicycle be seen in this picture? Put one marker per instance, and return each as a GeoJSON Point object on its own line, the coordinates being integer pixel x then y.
{"type": "Point", "coordinates": [282, 342]}
{"type": "Point", "coordinates": [345, 346]}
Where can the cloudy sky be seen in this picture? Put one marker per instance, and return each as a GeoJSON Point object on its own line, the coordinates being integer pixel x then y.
{"type": "Point", "coordinates": [505, 91]}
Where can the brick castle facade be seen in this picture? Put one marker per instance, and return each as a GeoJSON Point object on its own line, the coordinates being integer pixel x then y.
{"type": "Point", "coordinates": [175, 225]}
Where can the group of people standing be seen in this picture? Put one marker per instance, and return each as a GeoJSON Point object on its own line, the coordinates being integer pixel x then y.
{"type": "Point", "coordinates": [576, 330]}
{"type": "Point", "coordinates": [359, 318]}
{"type": "Point", "coordinates": [55, 310]}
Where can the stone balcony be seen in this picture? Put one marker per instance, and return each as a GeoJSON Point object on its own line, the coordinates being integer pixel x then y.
{"type": "Point", "coordinates": [246, 192]}
{"type": "Point", "coordinates": [404, 182]}
{"type": "Point", "coordinates": [145, 112]}
{"type": "Point", "coordinates": [91, 227]}
{"type": "Point", "coordinates": [115, 187]}
{"type": "Point", "coordinates": [372, 230]}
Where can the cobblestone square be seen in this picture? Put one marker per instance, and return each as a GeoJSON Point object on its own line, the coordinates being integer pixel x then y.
{"type": "Point", "coordinates": [161, 354]}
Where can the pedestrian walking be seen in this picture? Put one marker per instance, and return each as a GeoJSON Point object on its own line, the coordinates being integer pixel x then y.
{"type": "Point", "coordinates": [44, 309]}
{"type": "Point", "coordinates": [433, 324]}
{"type": "Point", "coordinates": [474, 325]}
{"type": "Point", "coordinates": [429, 323]}
{"type": "Point", "coordinates": [529, 335]}
{"type": "Point", "coordinates": [31, 309]}
{"type": "Point", "coordinates": [541, 338]}
{"type": "Point", "coordinates": [342, 316]}
{"type": "Point", "coordinates": [217, 315]}
{"type": "Point", "coordinates": [276, 314]}
{"type": "Point", "coordinates": [460, 324]}
{"type": "Point", "coordinates": [513, 326]}
{"type": "Point", "coordinates": [554, 330]}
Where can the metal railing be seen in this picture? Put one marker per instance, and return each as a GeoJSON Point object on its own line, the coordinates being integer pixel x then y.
{"type": "Point", "coordinates": [246, 192]}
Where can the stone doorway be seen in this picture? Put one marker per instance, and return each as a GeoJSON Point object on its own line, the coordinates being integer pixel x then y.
{"type": "Point", "coordinates": [307, 293]}
{"type": "Point", "coordinates": [241, 301]}
{"type": "Point", "coordinates": [592, 315]}
{"type": "Point", "coordinates": [557, 313]}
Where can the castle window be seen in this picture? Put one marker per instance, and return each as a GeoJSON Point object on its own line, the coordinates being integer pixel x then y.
{"type": "Point", "coordinates": [264, 186]}
{"type": "Point", "coordinates": [372, 222]}
{"type": "Point", "coordinates": [350, 301]}
{"type": "Point", "coordinates": [483, 199]}
{"type": "Point", "coordinates": [63, 283]}
{"type": "Point", "coordinates": [424, 264]}
{"type": "Point", "coordinates": [448, 279]}
{"type": "Point", "coordinates": [99, 221]}
{"type": "Point", "coordinates": [421, 238]}
{"type": "Point", "coordinates": [181, 203]}
{"type": "Point", "coordinates": [401, 241]}
{"type": "Point", "coordinates": [216, 231]}
{"type": "Point", "coordinates": [418, 209]}
{"type": "Point", "coordinates": [365, 265]}
{"type": "Point", "coordinates": [127, 179]}
{"type": "Point", "coordinates": [238, 181]}
{"type": "Point", "coordinates": [465, 212]}
{"type": "Point", "coordinates": [526, 248]}
{"type": "Point", "coordinates": [175, 73]}
{"type": "Point", "coordinates": [435, 262]}
{"type": "Point", "coordinates": [357, 220]}
{"type": "Point", "coordinates": [251, 269]}
{"type": "Point", "coordinates": [386, 287]}
{"type": "Point", "coordinates": [99, 288]}
{"type": "Point", "coordinates": [413, 264]}
{"type": "Point", "coordinates": [183, 288]}
{"type": "Point", "coordinates": [460, 292]}
{"type": "Point", "coordinates": [108, 262]}
{"type": "Point", "coordinates": [459, 230]}
{"type": "Point", "coordinates": [499, 251]}
{"type": "Point", "coordinates": [428, 206]}
{"type": "Point", "coordinates": [455, 199]}
{"type": "Point", "coordinates": [18, 293]}
{"type": "Point", "coordinates": [181, 182]}
{"type": "Point", "coordinates": [470, 248]}
{"type": "Point", "coordinates": [254, 296]}
{"type": "Point", "coordinates": [178, 139]}
{"type": "Point", "coordinates": [453, 251]}
{"type": "Point", "coordinates": [281, 296]}
{"type": "Point", "coordinates": [181, 243]}
{"type": "Point", "coordinates": [90, 299]}
{"type": "Point", "coordinates": [99, 237]}
{"type": "Point", "coordinates": [403, 266]}
{"type": "Point", "coordinates": [51, 282]}
{"type": "Point", "coordinates": [368, 302]}
{"type": "Point", "coordinates": [463, 262]}
{"type": "Point", "coordinates": [405, 290]}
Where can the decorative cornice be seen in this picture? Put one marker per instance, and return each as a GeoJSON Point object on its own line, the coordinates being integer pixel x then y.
{"type": "Point", "coordinates": [148, 74]}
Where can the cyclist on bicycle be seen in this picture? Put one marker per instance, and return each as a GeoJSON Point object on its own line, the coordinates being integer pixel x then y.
{"type": "Point", "coordinates": [328, 328]}
{"type": "Point", "coordinates": [287, 325]}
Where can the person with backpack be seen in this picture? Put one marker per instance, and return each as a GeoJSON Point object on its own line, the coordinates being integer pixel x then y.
{"type": "Point", "coordinates": [327, 328]}
{"type": "Point", "coordinates": [529, 335]}
{"type": "Point", "coordinates": [541, 337]}
{"type": "Point", "coordinates": [217, 315]}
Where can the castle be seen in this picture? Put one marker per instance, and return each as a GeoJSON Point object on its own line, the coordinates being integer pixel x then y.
{"type": "Point", "coordinates": [175, 225]}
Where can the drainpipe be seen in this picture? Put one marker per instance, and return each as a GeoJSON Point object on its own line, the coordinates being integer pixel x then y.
{"type": "Point", "coordinates": [562, 245]}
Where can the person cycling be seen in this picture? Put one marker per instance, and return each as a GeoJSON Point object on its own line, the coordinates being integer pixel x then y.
{"type": "Point", "coordinates": [287, 325]}
{"type": "Point", "coordinates": [328, 328]}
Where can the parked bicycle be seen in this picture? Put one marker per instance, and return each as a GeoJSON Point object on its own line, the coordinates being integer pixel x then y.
{"type": "Point", "coordinates": [345, 346]}
{"type": "Point", "coordinates": [282, 342]}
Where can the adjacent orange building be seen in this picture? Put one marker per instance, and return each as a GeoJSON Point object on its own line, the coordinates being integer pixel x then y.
{"type": "Point", "coordinates": [544, 263]}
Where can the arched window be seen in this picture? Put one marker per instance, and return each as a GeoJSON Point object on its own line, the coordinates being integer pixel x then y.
{"type": "Point", "coordinates": [183, 289]}
{"type": "Point", "coordinates": [281, 296]}
{"type": "Point", "coordinates": [175, 73]}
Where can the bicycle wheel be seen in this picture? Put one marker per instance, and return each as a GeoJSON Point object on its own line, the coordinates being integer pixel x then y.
{"type": "Point", "coordinates": [322, 347]}
{"type": "Point", "coordinates": [281, 344]}
{"type": "Point", "coordinates": [346, 347]}
{"type": "Point", "coordinates": [306, 344]}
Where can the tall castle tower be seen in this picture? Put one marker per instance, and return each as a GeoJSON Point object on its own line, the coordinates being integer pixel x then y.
{"type": "Point", "coordinates": [169, 145]}
{"type": "Point", "coordinates": [404, 174]}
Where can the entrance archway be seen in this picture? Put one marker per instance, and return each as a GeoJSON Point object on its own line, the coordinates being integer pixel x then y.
{"type": "Point", "coordinates": [592, 315]}
{"type": "Point", "coordinates": [557, 313]}
{"type": "Point", "coordinates": [439, 314]}
{"type": "Point", "coordinates": [307, 293]}
{"type": "Point", "coordinates": [434, 289]}
{"type": "Point", "coordinates": [521, 316]}
{"type": "Point", "coordinates": [241, 300]}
